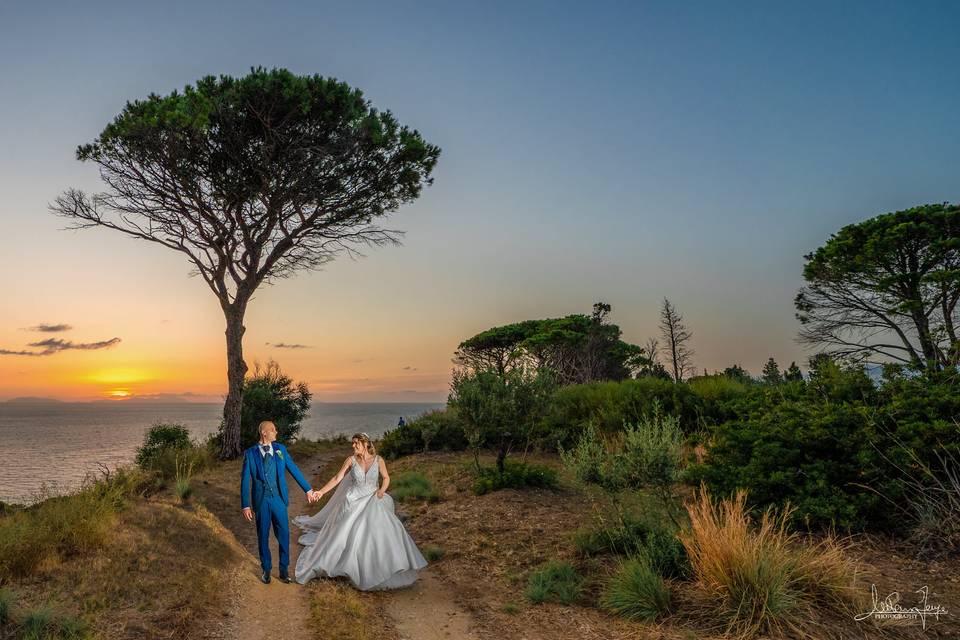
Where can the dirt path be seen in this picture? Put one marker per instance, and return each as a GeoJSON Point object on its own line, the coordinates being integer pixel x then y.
{"type": "Point", "coordinates": [425, 611]}
{"type": "Point", "coordinates": [263, 611]}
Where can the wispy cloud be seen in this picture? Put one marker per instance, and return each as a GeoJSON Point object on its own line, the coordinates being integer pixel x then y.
{"type": "Point", "coordinates": [284, 345]}
{"type": "Point", "coordinates": [409, 368]}
{"type": "Point", "coordinates": [50, 328]}
{"type": "Point", "coordinates": [51, 346]}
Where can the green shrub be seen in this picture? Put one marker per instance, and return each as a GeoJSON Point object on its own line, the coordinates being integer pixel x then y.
{"type": "Point", "coordinates": [516, 475]}
{"type": "Point", "coordinates": [636, 591]}
{"type": "Point", "coordinates": [270, 394]}
{"type": "Point", "coordinates": [433, 553]}
{"type": "Point", "coordinates": [622, 538]}
{"type": "Point", "coordinates": [170, 464]}
{"type": "Point", "coordinates": [609, 405]}
{"type": "Point", "coordinates": [412, 485]}
{"type": "Point", "coordinates": [159, 439]}
{"type": "Point", "coordinates": [662, 549]}
{"type": "Point", "coordinates": [666, 554]}
{"type": "Point", "coordinates": [554, 582]}
{"type": "Point", "coordinates": [510, 608]}
{"type": "Point", "coordinates": [437, 430]}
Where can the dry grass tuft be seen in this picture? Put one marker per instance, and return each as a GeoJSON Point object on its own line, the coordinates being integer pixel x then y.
{"type": "Point", "coordinates": [763, 579]}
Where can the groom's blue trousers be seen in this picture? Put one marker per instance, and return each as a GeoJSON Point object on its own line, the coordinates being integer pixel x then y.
{"type": "Point", "coordinates": [272, 511]}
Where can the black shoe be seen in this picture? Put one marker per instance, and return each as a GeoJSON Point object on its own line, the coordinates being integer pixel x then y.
{"type": "Point", "coordinates": [265, 578]}
{"type": "Point", "coordinates": [284, 577]}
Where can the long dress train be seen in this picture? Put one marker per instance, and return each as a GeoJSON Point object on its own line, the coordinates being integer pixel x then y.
{"type": "Point", "coordinates": [359, 536]}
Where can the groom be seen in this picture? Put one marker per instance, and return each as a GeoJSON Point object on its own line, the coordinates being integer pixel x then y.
{"type": "Point", "coordinates": [264, 465]}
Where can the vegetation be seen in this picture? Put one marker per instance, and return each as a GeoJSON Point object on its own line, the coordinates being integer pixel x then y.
{"type": "Point", "coordinates": [269, 394]}
{"type": "Point", "coordinates": [437, 430]}
{"type": "Point", "coordinates": [887, 288]}
{"type": "Point", "coordinates": [636, 591]}
{"type": "Point", "coordinates": [554, 582]}
{"type": "Point", "coordinates": [169, 452]}
{"type": "Point", "coordinates": [500, 411]}
{"type": "Point", "coordinates": [412, 485]}
{"type": "Point", "coordinates": [196, 172]}
{"type": "Point", "coordinates": [515, 475]}
{"type": "Point", "coordinates": [61, 527]}
{"type": "Point", "coordinates": [574, 349]}
{"type": "Point", "coordinates": [764, 580]}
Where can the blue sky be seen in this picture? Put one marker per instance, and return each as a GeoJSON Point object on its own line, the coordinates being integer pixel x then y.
{"type": "Point", "coordinates": [591, 151]}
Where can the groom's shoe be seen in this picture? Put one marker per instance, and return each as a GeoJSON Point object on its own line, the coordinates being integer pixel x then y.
{"type": "Point", "coordinates": [284, 577]}
{"type": "Point", "coordinates": [265, 578]}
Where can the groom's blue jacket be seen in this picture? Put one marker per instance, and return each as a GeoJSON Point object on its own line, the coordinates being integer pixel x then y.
{"type": "Point", "coordinates": [252, 475]}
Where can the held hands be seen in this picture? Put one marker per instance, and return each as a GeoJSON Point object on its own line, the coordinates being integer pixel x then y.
{"type": "Point", "coordinates": [313, 496]}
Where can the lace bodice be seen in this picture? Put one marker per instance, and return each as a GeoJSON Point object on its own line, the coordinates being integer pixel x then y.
{"type": "Point", "coordinates": [369, 481]}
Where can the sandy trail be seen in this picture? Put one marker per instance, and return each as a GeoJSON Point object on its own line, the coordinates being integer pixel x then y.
{"type": "Point", "coordinates": [264, 611]}
{"type": "Point", "coordinates": [425, 611]}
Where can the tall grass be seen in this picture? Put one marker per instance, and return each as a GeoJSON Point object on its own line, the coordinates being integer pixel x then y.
{"type": "Point", "coordinates": [44, 624]}
{"type": "Point", "coordinates": [636, 591]}
{"type": "Point", "coordinates": [62, 526]}
{"type": "Point", "coordinates": [764, 578]}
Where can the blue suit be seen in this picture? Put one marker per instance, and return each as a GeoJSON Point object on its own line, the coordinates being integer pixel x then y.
{"type": "Point", "coordinates": [267, 481]}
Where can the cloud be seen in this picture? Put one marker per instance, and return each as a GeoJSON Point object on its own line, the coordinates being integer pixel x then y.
{"type": "Point", "coordinates": [284, 345]}
{"type": "Point", "coordinates": [56, 345]}
{"type": "Point", "coordinates": [50, 328]}
{"type": "Point", "coordinates": [409, 368]}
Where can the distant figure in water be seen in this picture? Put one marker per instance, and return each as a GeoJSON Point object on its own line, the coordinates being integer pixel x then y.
{"type": "Point", "coordinates": [401, 423]}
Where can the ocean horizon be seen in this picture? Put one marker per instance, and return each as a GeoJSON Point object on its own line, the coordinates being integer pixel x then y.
{"type": "Point", "coordinates": [52, 446]}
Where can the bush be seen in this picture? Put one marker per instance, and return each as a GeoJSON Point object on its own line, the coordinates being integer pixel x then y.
{"type": "Point", "coordinates": [621, 538]}
{"type": "Point", "coordinates": [554, 582]}
{"type": "Point", "coordinates": [161, 438]}
{"type": "Point", "coordinates": [610, 405]}
{"type": "Point", "coordinates": [636, 591]}
{"type": "Point", "coordinates": [437, 430]}
{"type": "Point", "coordinates": [515, 475]}
{"type": "Point", "coordinates": [765, 579]}
{"type": "Point", "coordinates": [633, 537]}
{"type": "Point", "coordinates": [269, 394]}
{"type": "Point", "coordinates": [500, 410]}
{"type": "Point", "coordinates": [412, 485]}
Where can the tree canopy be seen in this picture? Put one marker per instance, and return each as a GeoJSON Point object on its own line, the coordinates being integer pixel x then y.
{"type": "Point", "coordinates": [887, 289]}
{"type": "Point", "coordinates": [252, 179]}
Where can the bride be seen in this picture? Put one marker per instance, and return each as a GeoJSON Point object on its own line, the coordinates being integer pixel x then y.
{"type": "Point", "coordinates": [357, 534]}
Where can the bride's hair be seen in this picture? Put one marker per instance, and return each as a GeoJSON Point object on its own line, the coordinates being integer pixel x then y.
{"type": "Point", "coordinates": [367, 442]}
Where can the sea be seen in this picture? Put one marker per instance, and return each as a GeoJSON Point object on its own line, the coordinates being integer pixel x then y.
{"type": "Point", "coordinates": [49, 448]}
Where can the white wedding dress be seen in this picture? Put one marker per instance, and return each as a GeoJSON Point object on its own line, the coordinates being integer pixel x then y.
{"type": "Point", "coordinates": [358, 535]}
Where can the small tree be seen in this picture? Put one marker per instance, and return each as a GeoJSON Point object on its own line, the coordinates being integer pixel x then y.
{"type": "Point", "coordinates": [793, 373]}
{"type": "Point", "coordinates": [677, 338]}
{"type": "Point", "coordinates": [649, 456]}
{"type": "Point", "coordinates": [771, 373]}
{"type": "Point", "coordinates": [500, 411]}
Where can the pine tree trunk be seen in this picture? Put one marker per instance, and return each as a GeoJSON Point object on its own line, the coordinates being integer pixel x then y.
{"type": "Point", "coordinates": [236, 370]}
